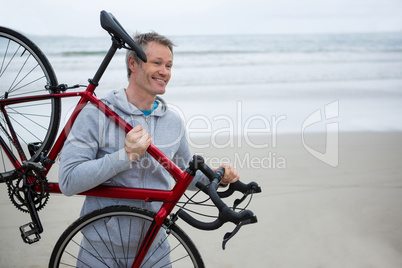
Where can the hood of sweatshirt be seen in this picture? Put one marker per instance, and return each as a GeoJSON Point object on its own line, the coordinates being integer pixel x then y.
{"type": "Point", "coordinates": [117, 99]}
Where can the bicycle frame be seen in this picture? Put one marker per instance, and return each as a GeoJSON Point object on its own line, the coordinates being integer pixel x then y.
{"type": "Point", "coordinates": [168, 197]}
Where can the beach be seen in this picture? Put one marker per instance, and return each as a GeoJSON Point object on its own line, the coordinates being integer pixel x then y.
{"type": "Point", "coordinates": [313, 118]}
{"type": "Point", "coordinates": [310, 214]}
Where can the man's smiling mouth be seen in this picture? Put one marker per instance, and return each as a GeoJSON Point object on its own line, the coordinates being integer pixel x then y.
{"type": "Point", "coordinates": [160, 80]}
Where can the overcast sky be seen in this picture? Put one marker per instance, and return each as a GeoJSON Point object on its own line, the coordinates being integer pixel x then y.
{"type": "Point", "coordinates": [183, 17]}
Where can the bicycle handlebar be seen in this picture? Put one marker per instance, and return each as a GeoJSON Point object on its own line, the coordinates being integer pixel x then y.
{"type": "Point", "coordinates": [226, 214]}
{"type": "Point", "coordinates": [240, 187]}
{"type": "Point", "coordinates": [112, 25]}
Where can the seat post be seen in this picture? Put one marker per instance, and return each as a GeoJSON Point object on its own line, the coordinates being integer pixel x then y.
{"type": "Point", "coordinates": [98, 75]}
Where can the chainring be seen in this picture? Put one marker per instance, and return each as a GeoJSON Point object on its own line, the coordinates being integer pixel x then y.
{"type": "Point", "coordinates": [28, 178]}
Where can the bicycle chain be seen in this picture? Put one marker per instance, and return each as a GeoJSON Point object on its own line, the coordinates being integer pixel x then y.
{"type": "Point", "coordinates": [29, 177]}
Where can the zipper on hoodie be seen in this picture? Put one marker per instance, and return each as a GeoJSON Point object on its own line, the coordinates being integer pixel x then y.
{"type": "Point", "coordinates": [145, 159]}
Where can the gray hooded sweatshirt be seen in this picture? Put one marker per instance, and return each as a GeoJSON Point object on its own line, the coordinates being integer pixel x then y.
{"type": "Point", "coordinates": [94, 154]}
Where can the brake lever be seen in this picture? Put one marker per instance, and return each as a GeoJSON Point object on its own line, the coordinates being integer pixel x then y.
{"type": "Point", "coordinates": [230, 235]}
{"type": "Point", "coordinates": [252, 190]}
{"type": "Point", "coordinates": [238, 201]}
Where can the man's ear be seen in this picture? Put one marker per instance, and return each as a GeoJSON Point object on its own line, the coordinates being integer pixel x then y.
{"type": "Point", "coordinates": [132, 63]}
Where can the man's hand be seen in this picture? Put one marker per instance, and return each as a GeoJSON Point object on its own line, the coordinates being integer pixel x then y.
{"type": "Point", "coordinates": [231, 174]}
{"type": "Point", "coordinates": [137, 142]}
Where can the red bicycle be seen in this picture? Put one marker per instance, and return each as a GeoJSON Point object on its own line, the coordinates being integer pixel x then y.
{"type": "Point", "coordinates": [30, 105]}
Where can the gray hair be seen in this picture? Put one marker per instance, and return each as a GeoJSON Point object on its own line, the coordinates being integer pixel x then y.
{"type": "Point", "coordinates": [142, 40]}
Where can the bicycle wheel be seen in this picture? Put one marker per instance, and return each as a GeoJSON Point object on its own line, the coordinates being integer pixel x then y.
{"type": "Point", "coordinates": [26, 128]}
{"type": "Point", "coordinates": [111, 236]}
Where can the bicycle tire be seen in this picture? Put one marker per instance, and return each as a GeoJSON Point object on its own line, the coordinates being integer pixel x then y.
{"type": "Point", "coordinates": [73, 249]}
{"type": "Point", "coordinates": [25, 71]}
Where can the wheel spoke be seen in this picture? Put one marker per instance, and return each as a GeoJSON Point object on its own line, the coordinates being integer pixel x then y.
{"type": "Point", "coordinates": [28, 84]}
{"type": "Point", "coordinates": [18, 74]}
{"type": "Point", "coordinates": [4, 58]}
{"type": "Point", "coordinates": [27, 130]}
{"type": "Point", "coordinates": [109, 233]}
{"type": "Point", "coordinates": [9, 62]}
{"type": "Point", "coordinates": [24, 72]}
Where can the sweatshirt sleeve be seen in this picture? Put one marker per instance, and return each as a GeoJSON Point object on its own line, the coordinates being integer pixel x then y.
{"type": "Point", "coordinates": [80, 170]}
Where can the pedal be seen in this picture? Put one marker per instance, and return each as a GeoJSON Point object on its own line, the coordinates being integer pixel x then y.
{"type": "Point", "coordinates": [30, 233]}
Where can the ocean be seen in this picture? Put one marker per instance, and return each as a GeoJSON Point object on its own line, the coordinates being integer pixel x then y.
{"type": "Point", "coordinates": [261, 83]}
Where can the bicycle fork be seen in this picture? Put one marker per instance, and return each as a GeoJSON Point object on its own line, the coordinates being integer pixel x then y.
{"type": "Point", "coordinates": [160, 217]}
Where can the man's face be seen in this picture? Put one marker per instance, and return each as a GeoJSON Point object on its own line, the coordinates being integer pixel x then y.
{"type": "Point", "coordinates": [152, 77]}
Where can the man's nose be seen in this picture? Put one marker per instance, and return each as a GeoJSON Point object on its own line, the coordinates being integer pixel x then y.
{"type": "Point", "coordinates": [163, 70]}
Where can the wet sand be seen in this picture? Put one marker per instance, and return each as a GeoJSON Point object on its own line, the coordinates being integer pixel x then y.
{"type": "Point", "coordinates": [310, 213]}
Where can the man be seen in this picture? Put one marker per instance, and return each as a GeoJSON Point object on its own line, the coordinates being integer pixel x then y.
{"type": "Point", "coordinates": [98, 152]}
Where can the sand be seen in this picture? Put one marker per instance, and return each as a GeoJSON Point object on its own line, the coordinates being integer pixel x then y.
{"type": "Point", "coordinates": [310, 213]}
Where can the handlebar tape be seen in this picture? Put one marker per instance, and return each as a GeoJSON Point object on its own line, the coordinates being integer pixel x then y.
{"type": "Point", "coordinates": [240, 187]}
{"type": "Point", "coordinates": [225, 213]}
